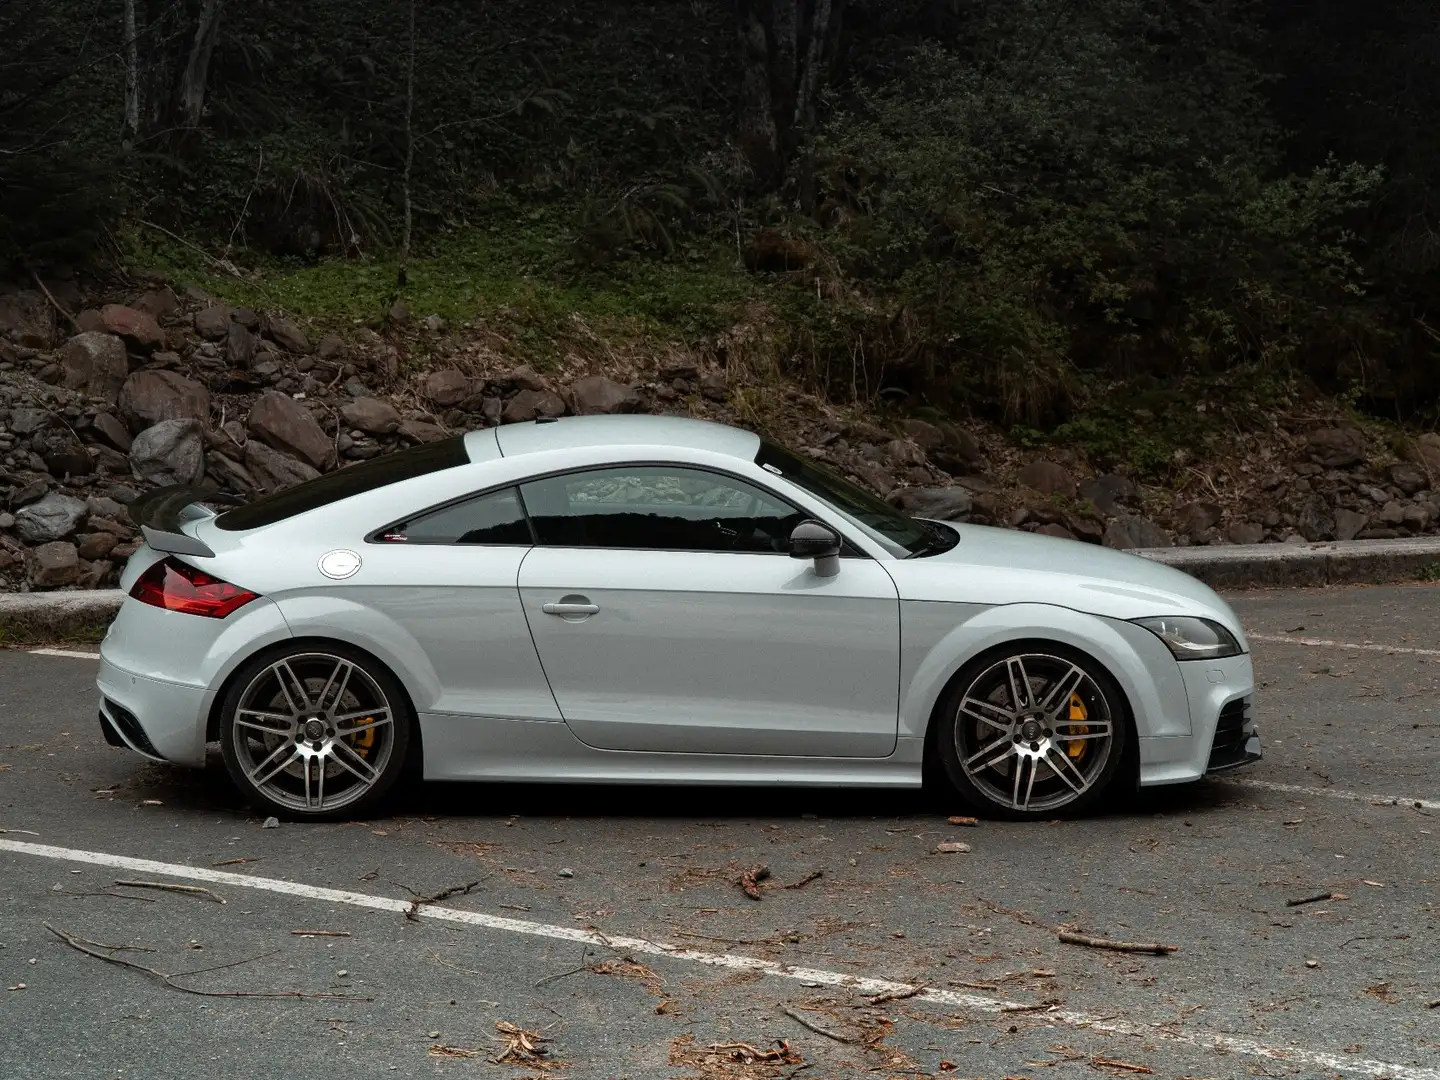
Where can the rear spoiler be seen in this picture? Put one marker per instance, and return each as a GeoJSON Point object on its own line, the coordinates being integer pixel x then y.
{"type": "Point", "coordinates": [161, 512]}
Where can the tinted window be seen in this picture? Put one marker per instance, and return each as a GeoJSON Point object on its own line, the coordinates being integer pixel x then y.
{"type": "Point", "coordinates": [495, 518]}
{"type": "Point", "coordinates": [660, 508]}
{"type": "Point", "coordinates": [903, 535]}
{"type": "Point", "coordinates": [347, 482]}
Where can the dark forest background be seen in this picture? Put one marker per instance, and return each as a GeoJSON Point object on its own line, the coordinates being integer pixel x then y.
{"type": "Point", "coordinates": [1023, 209]}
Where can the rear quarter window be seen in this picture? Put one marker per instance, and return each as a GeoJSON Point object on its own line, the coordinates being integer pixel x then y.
{"type": "Point", "coordinates": [346, 483]}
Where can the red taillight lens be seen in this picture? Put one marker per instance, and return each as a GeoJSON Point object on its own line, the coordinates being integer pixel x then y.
{"type": "Point", "coordinates": [172, 585]}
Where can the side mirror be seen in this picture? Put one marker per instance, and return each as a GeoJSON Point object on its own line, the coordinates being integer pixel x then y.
{"type": "Point", "coordinates": [814, 540]}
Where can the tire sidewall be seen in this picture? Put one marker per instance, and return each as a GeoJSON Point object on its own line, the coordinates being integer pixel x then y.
{"type": "Point", "coordinates": [943, 731]}
{"type": "Point", "coordinates": [404, 722]}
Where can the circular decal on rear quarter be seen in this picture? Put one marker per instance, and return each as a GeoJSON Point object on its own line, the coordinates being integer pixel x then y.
{"type": "Point", "coordinates": [339, 564]}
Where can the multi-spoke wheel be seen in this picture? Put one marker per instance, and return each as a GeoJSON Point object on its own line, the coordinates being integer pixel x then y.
{"type": "Point", "coordinates": [1034, 732]}
{"type": "Point", "coordinates": [312, 733]}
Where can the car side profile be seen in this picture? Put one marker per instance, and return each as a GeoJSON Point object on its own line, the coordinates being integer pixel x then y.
{"type": "Point", "coordinates": [654, 600]}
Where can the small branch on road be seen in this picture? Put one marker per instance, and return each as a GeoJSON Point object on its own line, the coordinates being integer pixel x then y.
{"type": "Point", "coordinates": [189, 890]}
{"type": "Point", "coordinates": [231, 862]}
{"type": "Point", "coordinates": [750, 880]}
{"type": "Point", "coordinates": [807, 1023]}
{"type": "Point", "coordinates": [118, 896]}
{"type": "Point", "coordinates": [583, 966]}
{"type": "Point", "coordinates": [1316, 899]}
{"type": "Point", "coordinates": [80, 945]}
{"type": "Point", "coordinates": [897, 995]}
{"type": "Point", "coordinates": [18, 832]}
{"type": "Point", "coordinates": [1121, 1066]}
{"type": "Point", "coordinates": [814, 875]}
{"type": "Point", "coordinates": [320, 933]}
{"type": "Point", "coordinates": [1070, 937]}
{"type": "Point", "coordinates": [413, 911]}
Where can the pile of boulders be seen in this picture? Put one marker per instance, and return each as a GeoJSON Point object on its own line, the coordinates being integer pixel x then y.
{"type": "Point", "coordinates": [99, 403]}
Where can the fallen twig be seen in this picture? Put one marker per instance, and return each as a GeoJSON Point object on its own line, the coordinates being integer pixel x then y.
{"type": "Point", "coordinates": [18, 832]}
{"type": "Point", "coordinates": [1027, 1008]}
{"type": "Point", "coordinates": [804, 1022]}
{"type": "Point", "coordinates": [117, 896]}
{"type": "Point", "coordinates": [320, 933]}
{"type": "Point", "coordinates": [169, 979]}
{"type": "Point", "coordinates": [233, 862]}
{"type": "Point", "coordinates": [192, 890]}
{"type": "Point", "coordinates": [896, 995]}
{"type": "Point", "coordinates": [1316, 899]}
{"type": "Point", "coordinates": [1070, 937]}
{"type": "Point", "coordinates": [967, 822]}
{"type": "Point", "coordinates": [413, 911]}
{"type": "Point", "coordinates": [814, 875]}
{"type": "Point", "coordinates": [1123, 1066]}
{"type": "Point", "coordinates": [750, 880]}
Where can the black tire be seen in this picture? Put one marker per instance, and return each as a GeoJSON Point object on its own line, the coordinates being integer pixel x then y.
{"type": "Point", "coordinates": [1060, 752]}
{"type": "Point", "coordinates": [352, 731]}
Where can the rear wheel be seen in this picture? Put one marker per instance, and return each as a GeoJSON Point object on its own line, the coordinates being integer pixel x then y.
{"type": "Point", "coordinates": [314, 733]}
{"type": "Point", "coordinates": [1031, 733]}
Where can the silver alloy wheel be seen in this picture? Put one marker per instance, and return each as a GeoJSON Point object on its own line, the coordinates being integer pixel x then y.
{"type": "Point", "coordinates": [1034, 732]}
{"type": "Point", "coordinates": [313, 732]}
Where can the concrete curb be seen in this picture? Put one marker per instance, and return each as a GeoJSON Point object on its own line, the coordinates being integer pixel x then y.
{"type": "Point", "coordinates": [31, 618]}
{"type": "Point", "coordinates": [1274, 566]}
{"type": "Point", "coordinates": [40, 618]}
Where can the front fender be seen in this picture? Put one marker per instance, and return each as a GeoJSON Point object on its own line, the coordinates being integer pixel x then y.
{"type": "Point", "coordinates": [939, 639]}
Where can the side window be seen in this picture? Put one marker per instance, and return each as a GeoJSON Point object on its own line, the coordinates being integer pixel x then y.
{"type": "Point", "coordinates": [496, 518]}
{"type": "Point", "coordinates": [667, 508]}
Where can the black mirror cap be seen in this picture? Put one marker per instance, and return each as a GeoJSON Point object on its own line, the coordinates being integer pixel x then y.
{"type": "Point", "coordinates": [814, 540]}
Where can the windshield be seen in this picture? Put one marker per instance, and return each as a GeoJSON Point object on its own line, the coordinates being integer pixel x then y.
{"type": "Point", "coordinates": [899, 534]}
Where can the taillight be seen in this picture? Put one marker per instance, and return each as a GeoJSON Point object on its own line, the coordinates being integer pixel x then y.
{"type": "Point", "coordinates": [173, 585]}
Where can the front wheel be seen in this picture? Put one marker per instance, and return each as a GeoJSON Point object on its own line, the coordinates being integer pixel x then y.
{"type": "Point", "coordinates": [1033, 733]}
{"type": "Point", "coordinates": [314, 733]}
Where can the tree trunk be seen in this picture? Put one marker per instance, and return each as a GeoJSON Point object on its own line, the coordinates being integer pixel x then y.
{"type": "Point", "coordinates": [759, 134]}
{"type": "Point", "coordinates": [402, 277]}
{"type": "Point", "coordinates": [132, 74]}
{"type": "Point", "coordinates": [190, 98]}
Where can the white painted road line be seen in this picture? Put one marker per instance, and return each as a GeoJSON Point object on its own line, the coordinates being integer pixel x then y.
{"type": "Point", "coordinates": [1204, 1040]}
{"type": "Point", "coordinates": [1336, 793]}
{"type": "Point", "coordinates": [73, 654]}
{"type": "Point", "coordinates": [1326, 643]}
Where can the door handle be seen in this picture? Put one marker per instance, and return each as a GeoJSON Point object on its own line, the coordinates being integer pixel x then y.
{"type": "Point", "coordinates": [570, 610]}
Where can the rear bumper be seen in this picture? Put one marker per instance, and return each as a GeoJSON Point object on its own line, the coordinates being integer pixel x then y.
{"type": "Point", "coordinates": [163, 721]}
{"type": "Point", "coordinates": [1223, 735]}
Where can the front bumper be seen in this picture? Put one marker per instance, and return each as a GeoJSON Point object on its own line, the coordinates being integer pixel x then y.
{"type": "Point", "coordinates": [1223, 735]}
{"type": "Point", "coordinates": [163, 721]}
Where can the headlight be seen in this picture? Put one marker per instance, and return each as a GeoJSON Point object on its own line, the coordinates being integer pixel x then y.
{"type": "Point", "coordinates": [1193, 639]}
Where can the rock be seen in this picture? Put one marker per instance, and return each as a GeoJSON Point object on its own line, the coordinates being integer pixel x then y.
{"type": "Point", "coordinates": [1336, 448]}
{"type": "Point", "coordinates": [1106, 493]}
{"type": "Point", "coordinates": [490, 410]}
{"type": "Point", "coordinates": [1416, 516]}
{"type": "Point", "coordinates": [27, 318]}
{"type": "Point", "coordinates": [1048, 478]}
{"type": "Point", "coordinates": [170, 452]}
{"type": "Point", "coordinates": [1349, 524]}
{"type": "Point", "coordinates": [93, 575]}
{"type": "Point", "coordinates": [1245, 532]}
{"type": "Point", "coordinates": [111, 432]}
{"type": "Point", "coordinates": [32, 492]}
{"type": "Point", "coordinates": [149, 397]}
{"type": "Point", "coordinates": [525, 378]}
{"type": "Point", "coordinates": [274, 470]}
{"type": "Point", "coordinates": [1085, 528]}
{"type": "Point", "coordinates": [447, 388]}
{"type": "Point", "coordinates": [213, 323]}
{"type": "Point", "coordinates": [239, 346]}
{"type": "Point", "coordinates": [230, 474]}
{"type": "Point", "coordinates": [7, 521]}
{"type": "Point", "coordinates": [247, 318]}
{"type": "Point", "coordinates": [332, 347]}
{"type": "Point", "coordinates": [923, 434]}
{"type": "Point", "coordinates": [283, 423]}
{"type": "Point", "coordinates": [135, 327]}
{"type": "Point", "coordinates": [97, 545]}
{"type": "Point", "coordinates": [167, 359]}
{"type": "Point", "coordinates": [1316, 520]}
{"type": "Point", "coordinates": [1392, 513]}
{"type": "Point", "coordinates": [598, 395]}
{"type": "Point", "coordinates": [715, 387]}
{"type": "Point", "coordinates": [1057, 531]}
{"type": "Point", "coordinates": [96, 364]}
{"type": "Point", "coordinates": [53, 517]}
{"type": "Point", "coordinates": [102, 506]}
{"type": "Point", "coordinates": [158, 304]}
{"type": "Point", "coordinates": [287, 335]}
{"type": "Point", "coordinates": [371, 415]}
{"type": "Point", "coordinates": [1133, 531]}
{"type": "Point", "coordinates": [901, 452]}
{"type": "Point", "coordinates": [532, 404]}
{"type": "Point", "coordinates": [1424, 451]}
{"type": "Point", "coordinates": [1409, 478]}
{"type": "Point", "coordinates": [399, 313]}
{"type": "Point", "coordinates": [26, 421]}
{"type": "Point", "coordinates": [940, 504]}
{"type": "Point", "coordinates": [1196, 518]}
{"type": "Point", "coordinates": [422, 432]}
{"type": "Point", "coordinates": [53, 565]}
{"type": "Point", "coordinates": [434, 324]}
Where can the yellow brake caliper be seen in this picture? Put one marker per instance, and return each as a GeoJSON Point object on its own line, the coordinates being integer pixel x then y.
{"type": "Point", "coordinates": [362, 741]}
{"type": "Point", "coordinates": [1078, 715]}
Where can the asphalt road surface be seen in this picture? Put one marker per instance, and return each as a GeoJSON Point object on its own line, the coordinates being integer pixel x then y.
{"type": "Point", "coordinates": [609, 922]}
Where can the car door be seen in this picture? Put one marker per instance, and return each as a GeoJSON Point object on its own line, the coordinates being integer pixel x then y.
{"type": "Point", "coordinates": [669, 617]}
